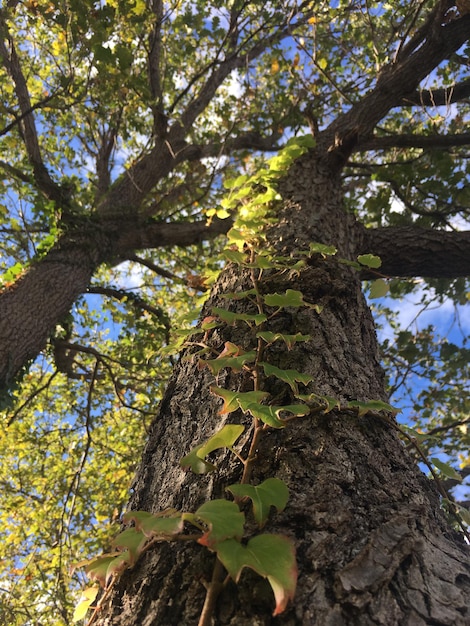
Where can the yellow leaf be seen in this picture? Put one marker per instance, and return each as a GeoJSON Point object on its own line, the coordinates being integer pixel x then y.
{"type": "Point", "coordinates": [87, 598]}
{"type": "Point", "coordinates": [312, 20]}
{"type": "Point", "coordinates": [275, 67]}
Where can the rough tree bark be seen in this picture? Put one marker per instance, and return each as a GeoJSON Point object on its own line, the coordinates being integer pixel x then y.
{"type": "Point", "coordinates": [372, 545]}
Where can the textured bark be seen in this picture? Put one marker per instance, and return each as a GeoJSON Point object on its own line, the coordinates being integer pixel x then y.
{"type": "Point", "coordinates": [372, 544]}
{"type": "Point", "coordinates": [32, 306]}
{"type": "Point", "coordinates": [413, 251]}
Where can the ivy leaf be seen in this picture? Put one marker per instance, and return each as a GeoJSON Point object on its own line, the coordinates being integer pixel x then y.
{"type": "Point", "coordinates": [291, 377]}
{"type": "Point", "coordinates": [289, 340]}
{"type": "Point", "coordinates": [271, 492]}
{"type": "Point", "coordinates": [291, 298]}
{"type": "Point", "coordinates": [373, 405]}
{"type": "Point", "coordinates": [224, 438]}
{"type": "Point", "coordinates": [102, 567]}
{"type": "Point", "coordinates": [237, 399]}
{"type": "Point", "coordinates": [223, 518]}
{"type": "Point", "coordinates": [270, 415]}
{"type": "Point", "coordinates": [86, 600]}
{"type": "Point", "coordinates": [464, 513]}
{"type": "Point", "coordinates": [236, 363]}
{"type": "Point", "coordinates": [323, 249]}
{"type": "Point", "coordinates": [446, 469]}
{"type": "Point", "coordinates": [235, 256]}
{"type": "Point", "coordinates": [165, 524]}
{"type": "Point", "coordinates": [370, 260]}
{"type": "Point", "coordinates": [239, 295]}
{"type": "Point", "coordinates": [270, 556]}
{"type": "Point", "coordinates": [133, 540]}
{"type": "Point", "coordinates": [378, 289]}
{"type": "Point", "coordinates": [231, 318]}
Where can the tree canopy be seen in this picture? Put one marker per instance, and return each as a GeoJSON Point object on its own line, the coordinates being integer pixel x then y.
{"type": "Point", "coordinates": [122, 124]}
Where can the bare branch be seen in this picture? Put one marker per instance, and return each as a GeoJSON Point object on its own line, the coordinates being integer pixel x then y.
{"type": "Point", "coordinates": [120, 294]}
{"type": "Point", "coordinates": [233, 62]}
{"type": "Point", "coordinates": [438, 97]}
{"type": "Point", "coordinates": [108, 142]}
{"type": "Point", "coordinates": [245, 141]}
{"type": "Point", "coordinates": [160, 271]}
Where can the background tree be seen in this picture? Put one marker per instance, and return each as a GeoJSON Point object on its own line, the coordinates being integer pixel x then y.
{"type": "Point", "coordinates": [121, 120]}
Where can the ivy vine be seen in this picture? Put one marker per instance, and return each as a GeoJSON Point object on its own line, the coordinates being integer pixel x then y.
{"type": "Point", "coordinates": [219, 524]}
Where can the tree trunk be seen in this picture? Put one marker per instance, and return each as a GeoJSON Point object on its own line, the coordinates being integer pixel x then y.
{"type": "Point", "coordinates": [372, 545]}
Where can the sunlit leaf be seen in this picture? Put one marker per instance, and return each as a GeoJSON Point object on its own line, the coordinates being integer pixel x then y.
{"type": "Point", "coordinates": [224, 438]}
{"type": "Point", "coordinates": [291, 377]}
{"type": "Point", "coordinates": [86, 600]}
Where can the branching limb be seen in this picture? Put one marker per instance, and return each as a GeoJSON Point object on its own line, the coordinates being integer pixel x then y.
{"type": "Point", "coordinates": [27, 125]}
{"type": "Point", "coordinates": [396, 81]}
{"type": "Point", "coordinates": [438, 97]}
{"type": "Point", "coordinates": [119, 294]}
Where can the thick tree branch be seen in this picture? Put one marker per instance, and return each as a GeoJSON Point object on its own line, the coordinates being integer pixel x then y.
{"type": "Point", "coordinates": [409, 251]}
{"type": "Point", "coordinates": [160, 234]}
{"type": "Point", "coordinates": [412, 141]}
{"type": "Point", "coordinates": [245, 141]}
{"type": "Point", "coordinates": [154, 70]}
{"type": "Point", "coordinates": [396, 81]}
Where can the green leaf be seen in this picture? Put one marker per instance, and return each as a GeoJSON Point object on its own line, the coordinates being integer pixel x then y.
{"type": "Point", "coordinates": [223, 519]}
{"type": "Point", "coordinates": [271, 492]}
{"type": "Point", "coordinates": [224, 438]}
{"type": "Point", "coordinates": [291, 298]}
{"type": "Point", "coordinates": [372, 406]}
{"type": "Point", "coordinates": [239, 295]}
{"type": "Point", "coordinates": [236, 363]}
{"type": "Point", "coordinates": [378, 289]}
{"type": "Point", "coordinates": [323, 249]}
{"type": "Point", "coordinates": [233, 318]}
{"type": "Point", "coordinates": [291, 377]}
{"type": "Point", "coordinates": [289, 340]}
{"type": "Point", "coordinates": [132, 539]}
{"type": "Point", "coordinates": [235, 256]}
{"type": "Point", "coordinates": [102, 567]}
{"type": "Point", "coordinates": [446, 469]}
{"type": "Point", "coordinates": [237, 399]}
{"type": "Point", "coordinates": [464, 513]}
{"type": "Point", "coordinates": [370, 260]}
{"type": "Point", "coordinates": [271, 556]}
{"type": "Point", "coordinates": [163, 524]}
{"type": "Point", "coordinates": [270, 415]}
